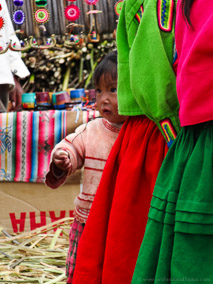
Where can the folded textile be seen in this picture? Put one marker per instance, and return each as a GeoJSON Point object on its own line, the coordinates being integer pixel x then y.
{"type": "Point", "coordinates": [27, 138]}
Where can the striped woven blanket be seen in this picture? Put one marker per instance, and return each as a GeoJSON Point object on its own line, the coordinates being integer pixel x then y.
{"type": "Point", "coordinates": [27, 138]}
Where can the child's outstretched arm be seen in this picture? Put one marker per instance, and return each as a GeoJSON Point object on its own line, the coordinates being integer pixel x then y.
{"type": "Point", "coordinates": [59, 168]}
{"type": "Point", "coordinates": [66, 157]}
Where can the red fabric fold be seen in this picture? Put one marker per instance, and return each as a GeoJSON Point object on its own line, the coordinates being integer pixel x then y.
{"type": "Point", "coordinates": [111, 240]}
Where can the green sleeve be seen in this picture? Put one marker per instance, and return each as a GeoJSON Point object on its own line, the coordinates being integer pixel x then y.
{"type": "Point", "coordinates": [149, 61]}
{"type": "Point", "coordinates": [152, 79]}
{"type": "Point", "coordinates": [127, 105]}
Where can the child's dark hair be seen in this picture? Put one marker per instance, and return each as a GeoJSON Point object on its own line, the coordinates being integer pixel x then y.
{"type": "Point", "coordinates": [108, 65]}
{"type": "Point", "coordinates": [186, 6]}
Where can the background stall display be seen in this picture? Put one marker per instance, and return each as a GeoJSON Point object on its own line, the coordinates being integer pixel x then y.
{"type": "Point", "coordinates": [70, 100]}
{"type": "Point", "coordinates": [62, 41]}
{"type": "Point", "coordinates": [106, 21]}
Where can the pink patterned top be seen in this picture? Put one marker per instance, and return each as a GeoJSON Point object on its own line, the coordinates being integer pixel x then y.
{"type": "Point", "coordinates": [88, 147]}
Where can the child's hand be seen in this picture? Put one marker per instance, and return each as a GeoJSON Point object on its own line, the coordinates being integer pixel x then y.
{"type": "Point", "coordinates": [62, 160]}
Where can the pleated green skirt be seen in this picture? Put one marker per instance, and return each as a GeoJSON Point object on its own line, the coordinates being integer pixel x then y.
{"type": "Point", "coordinates": [178, 242]}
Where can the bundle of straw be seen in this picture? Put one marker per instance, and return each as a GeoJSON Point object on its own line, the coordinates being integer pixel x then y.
{"type": "Point", "coordinates": [38, 256]}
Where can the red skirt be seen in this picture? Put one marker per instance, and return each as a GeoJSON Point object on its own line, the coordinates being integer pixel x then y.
{"type": "Point", "coordinates": [112, 236]}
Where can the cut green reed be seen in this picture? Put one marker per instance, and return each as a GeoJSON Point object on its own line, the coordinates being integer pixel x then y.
{"type": "Point", "coordinates": [37, 256]}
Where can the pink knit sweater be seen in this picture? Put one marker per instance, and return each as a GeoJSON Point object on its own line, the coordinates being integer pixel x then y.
{"type": "Point", "coordinates": [88, 147]}
{"type": "Point", "coordinates": [195, 63]}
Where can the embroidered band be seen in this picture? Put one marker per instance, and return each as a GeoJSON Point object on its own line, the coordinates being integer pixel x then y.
{"type": "Point", "coordinates": [165, 10]}
{"type": "Point", "coordinates": [168, 130]}
{"type": "Point", "coordinates": [139, 14]}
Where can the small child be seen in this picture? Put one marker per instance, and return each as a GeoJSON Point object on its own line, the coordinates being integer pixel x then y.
{"type": "Point", "coordinates": [88, 147]}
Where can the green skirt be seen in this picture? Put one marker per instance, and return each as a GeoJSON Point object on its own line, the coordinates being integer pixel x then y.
{"type": "Point", "coordinates": [178, 242]}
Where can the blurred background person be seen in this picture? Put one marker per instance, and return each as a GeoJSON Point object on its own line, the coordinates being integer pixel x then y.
{"type": "Point", "coordinates": [12, 68]}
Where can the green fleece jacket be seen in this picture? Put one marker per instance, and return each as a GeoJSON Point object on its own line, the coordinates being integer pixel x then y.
{"type": "Point", "coordinates": [146, 79]}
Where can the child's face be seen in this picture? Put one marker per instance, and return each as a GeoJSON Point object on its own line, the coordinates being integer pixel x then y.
{"type": "Point", "coordinates": [106, 98]}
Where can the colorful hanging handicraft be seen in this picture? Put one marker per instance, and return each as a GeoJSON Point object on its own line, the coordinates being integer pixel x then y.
{"type": "Point", "coordinates": [18, 3]}
{"type": "Point", "coordinates": [41, 15]}
{"type": "Point", "coordinates": [1, 23]}
{"type": "Point", "coordinates": [72, 13]}
{"type": "Point", "coordinates": [118, 7]}
{"type": "Point", "coordinates": [49, 43]}
{"type": "Point", "coordinates": [41, 3]}
{"type": "Point", "coordinates": [91, 2]}
{"type": "Point", "coordinates": [73, 39]}
{"type": "Point", "coordinates": [93, 35]}
{"type": "Point", "coordinates": [93, 12]}
{"type": "Point", "coordinates": [18, 17]}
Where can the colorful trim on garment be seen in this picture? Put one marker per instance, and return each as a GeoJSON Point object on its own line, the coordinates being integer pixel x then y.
{"type": "Point", "coordinates": [165, 10]}
{"type": "Point", "coordinates": [169, 131]}
{"type": "Point", "coordinates": [175, 61]}
{"type": "Point", "coordinates": [139, 14]}
{"type": "Point", "coordinates": [110, 126]}
{"type": "Point", "coordinates": [174, 54]}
